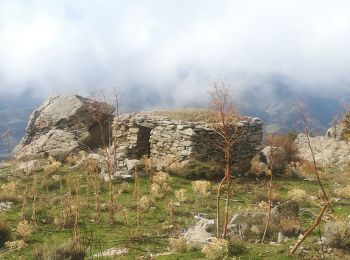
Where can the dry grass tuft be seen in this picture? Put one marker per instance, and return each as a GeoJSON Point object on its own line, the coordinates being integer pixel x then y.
{"type": "Point", "coordinates": [161, 184]}
{"type": "Point", "coordinates": [216, 250]}
{"type": "Point", "coordinates": [343, 192]}
{"type": "Point", "coordinates": [146, 203]}
{"type": "Point", "coordinates": [52, 168]}
{"type": "Point", "coordinates": [338, 234]}
{"type": "Point", "coordinates": [70, 250]}
{"type": "Point", "coordinates": [181, 195]}
{"type": "Point", "coordinates": [12, 246]}
{"type": "Point", "coordinates": [298, 195]}
{"type": "Point", "coordinates": [178, 245]}
{"type": "Point", "coordinates": [10, 187]}
{"type": "Point", "coordinates": [201, 187]}
{"type": "Point", "coordinates": [290, 227]}
{"type": "Point", "coordinates": [24, 229]}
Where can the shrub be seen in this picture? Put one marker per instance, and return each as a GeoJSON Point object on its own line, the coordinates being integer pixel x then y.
{"type": "Point", "coordinates": [161, 184]}
{"type": "Point", "coordinates": [235, 246]}
{"type": "Point", "coordinates": [72, 159]}
{"type": "Point", "coordinates": [5, 234]}
{"type": "Point", "coordinates": [8, 192]}
{"type": "Point", "coordinates": [201, 187]}
{"type": "Point", "coordinates": [150, 165]}
{"type": "Point", "coordinates": [297, 195]}
{"type": "Point", "coordinates": [157, 191]}
{"type": "Point", "coordinates": [346, 127]}
{"type": "Point", "coordinates": [263, 195]}
{"type": "Point", "coordinates": [343, 192]}
{"type": "Point", "coordinates": [178, 245]}
{"type": "Point", "coordinates": [24, 229]}
{"type": "Point", "coordinates": [161, 178]}
{"type": "Point", "coordinates": [9, 197]}
{"type": "Point", "coordinates": [52, 168]}
{"type": "Point", "coordinates": [170, 209]}
{"type": "Point", "coordinates": [338, 234]}
{"type": "Point", "coordinates": [285, 141]}
{"type": "Point", "coordinates": [216, 249]}
{"type": "Point", "coordinates": [10, 187]}
{"type": "Point", "coordinates": [70, 250]}
{"type": "Point", "coordinates": [289, 227]}
{"type": "Point", "coordinates": [181, 195]}
{"type": "Point", "coordinates": [16, 245]}
{"type": "Point", "coordinates": [145, 203]}
{"type": "Point", "coordinates": [195, 169]}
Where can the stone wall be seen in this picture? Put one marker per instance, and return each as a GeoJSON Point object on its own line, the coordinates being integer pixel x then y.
{"type": "Point", "coordinates": [171, 141]}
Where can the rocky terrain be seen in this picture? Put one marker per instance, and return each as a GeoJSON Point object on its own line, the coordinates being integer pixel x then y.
{"type": "Point", "coordinates": [142, 186]}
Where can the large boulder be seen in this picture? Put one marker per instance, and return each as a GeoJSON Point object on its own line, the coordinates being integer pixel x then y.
{"type": "Point", "coordinates": [267, 157]}
{"type": "Point", "coordinates": [62, 125]}
{"type": "Point", "coordinates": [201, 233]}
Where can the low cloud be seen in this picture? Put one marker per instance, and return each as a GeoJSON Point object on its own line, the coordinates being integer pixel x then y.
{"type": "Point", "coordinates": [172, 49]}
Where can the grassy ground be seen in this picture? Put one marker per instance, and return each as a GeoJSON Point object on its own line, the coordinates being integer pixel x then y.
{"type": "Point", "coordinates": [162, 221]}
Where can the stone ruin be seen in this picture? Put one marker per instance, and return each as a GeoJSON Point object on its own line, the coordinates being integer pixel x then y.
{"type": "Point", "coordinates": [173, 142]}
{"type": "Point", "coordinates": [64, 125]}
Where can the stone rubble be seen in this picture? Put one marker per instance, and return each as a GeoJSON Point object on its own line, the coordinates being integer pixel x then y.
{"type": "Point", "coordinates": [5, 206]}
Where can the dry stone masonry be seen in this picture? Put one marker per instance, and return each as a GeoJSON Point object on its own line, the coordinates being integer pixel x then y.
{"type": "Point", "coordinates": [173, 142]}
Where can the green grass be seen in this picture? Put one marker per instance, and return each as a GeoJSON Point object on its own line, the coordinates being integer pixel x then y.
{"type": "Point", "coordinates": [157, 225]}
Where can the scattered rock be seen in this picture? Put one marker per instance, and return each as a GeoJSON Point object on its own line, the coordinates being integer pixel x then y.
{"type": "Point", "coordinates": [200, 234]}
{"type": "Point", "coordinates": [286, 210]}
{"type": "Point", "coordinates": [247, 222]}
{"type": "Point", "coordinates": [281, 238]}
{"type": "Point", "coordinates": [134, 164]}
{"type": "Point", "coordinates": [5, 206]}
{"type": "Point", "coordinates": [112, 252]}
{"type": "Point", "coordinates": [32, 166]}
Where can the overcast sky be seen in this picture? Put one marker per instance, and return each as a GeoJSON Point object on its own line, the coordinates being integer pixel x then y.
{"type": "Point", "coordinates": [171, 47]}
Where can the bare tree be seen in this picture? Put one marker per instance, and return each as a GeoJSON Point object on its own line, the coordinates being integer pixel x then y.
{"type": "Point", "coordinates": [305, 119]}
{"type": "Point", "coordinates": [224, 110]}
{"type": "Point", "coordinates": [271, 164]}
{"type": "Point", "coordinates": [102, 113]}
{"type": "Point", "coordinates": [308, 232]}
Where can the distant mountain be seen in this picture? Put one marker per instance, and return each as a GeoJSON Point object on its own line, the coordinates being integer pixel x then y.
{"type": "Point", "coordinates": [273, 99]}
{"type": "Point", "coordinates": [14, 114]}
{"type": "Point", "coordinates": [276, 102]}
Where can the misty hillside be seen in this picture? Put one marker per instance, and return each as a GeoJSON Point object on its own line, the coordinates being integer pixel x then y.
{"type": "Point", "coordinates": [275, 102]}
{"type": "Point", "coordinates": [14, 115]}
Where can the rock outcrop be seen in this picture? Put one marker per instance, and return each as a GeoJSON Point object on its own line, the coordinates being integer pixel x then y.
{"type": "Point", "coordinates": [261, 162]}
{"type": "Point", "coordinates": [62, 125]}
{"type": "Point", "coordinates": [328, 151]}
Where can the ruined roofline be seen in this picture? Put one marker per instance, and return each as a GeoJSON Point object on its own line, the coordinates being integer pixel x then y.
{"type": "Point", "coordinates": [148, 119]}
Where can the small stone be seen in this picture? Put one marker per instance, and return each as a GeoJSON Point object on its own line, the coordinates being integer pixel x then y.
{"type": "Point", "coordinates": [189, 132]}
{"type": "Point", "coordinates": [134, 130]}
